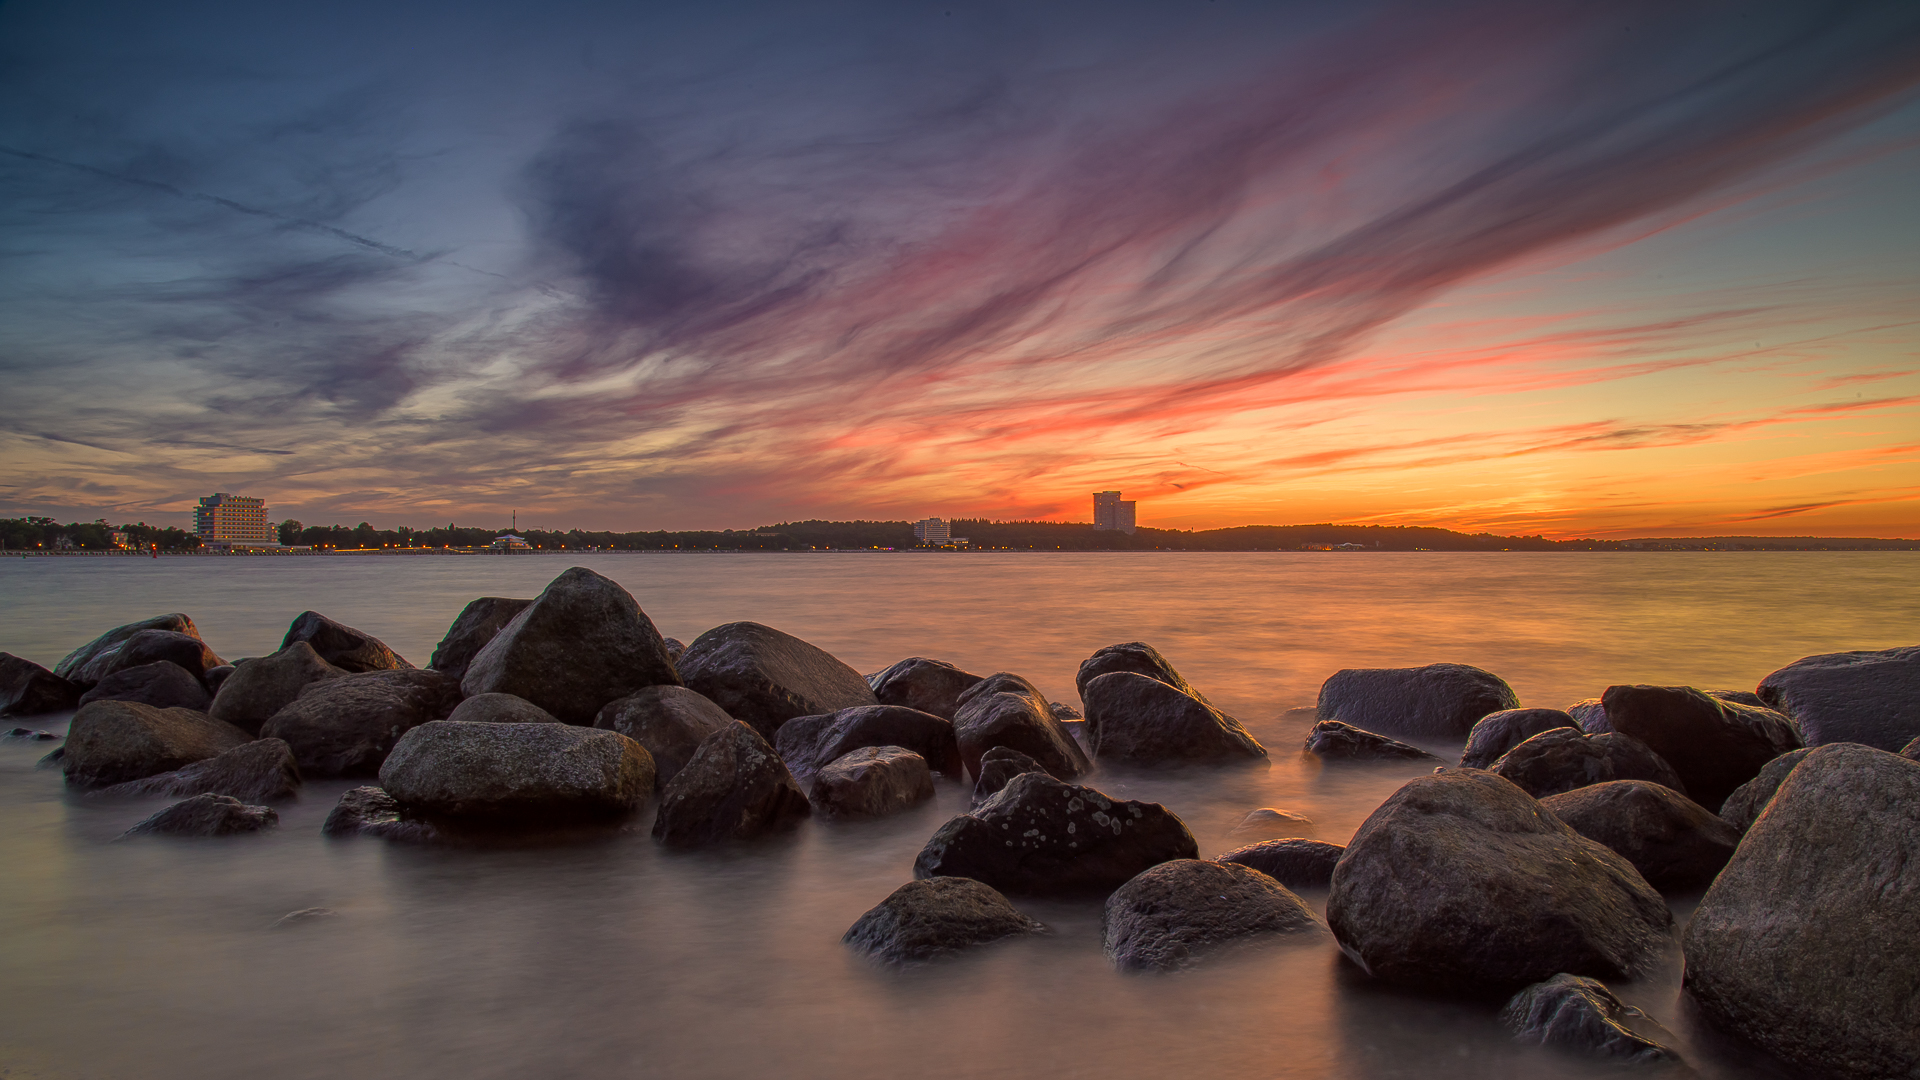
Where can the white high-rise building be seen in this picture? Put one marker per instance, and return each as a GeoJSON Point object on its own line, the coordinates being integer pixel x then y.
{"type": "Point", "coordinates": [1111, 512]}
{"type": "Point", "coordinates": [932, 530]}
{"type": "Point", "coordinates": [232, 518]}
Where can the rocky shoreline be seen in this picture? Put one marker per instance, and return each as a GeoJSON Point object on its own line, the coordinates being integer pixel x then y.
{"type": "Point", "coordinates": [1539, 866]}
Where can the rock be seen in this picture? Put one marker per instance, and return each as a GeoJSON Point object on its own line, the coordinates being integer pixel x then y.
{"type": "Point", "coordinates": [255, 772]}
{"type": "Point", "coordinates": [1437, 701]}
{"type": "Point", "coordinates": [55, 760]}
{"type": "Point", "coordinates": [873, 781]}
{"type": "Point", "coordinates": [1337, 741]}
{"type": "Point", "coordinates": [91, 662]}
{"type": "Point", "coordinates": [734, 788]}
{"type": "Point", "coordinates": [31, 734]}
{"type": "Point", "coordinates": [369, 811]}
{"type": "Point", "coordinates": [302, 917]}
{"type": "Point", "coordinates": [111, 742]}
{"type": "Point", "coordinates": [1138, 720]}
{"type": "Point", "coordinates": [1168, 915]}
{"type": "Point", "coordinates": [216, 676]}
{"type": "Point", "coordinates": [27, 689]}
{"type": "Point", "coordinates": [162, 684]}
{"type": "Point", "coordinates": [154, 646]}
{"type": "Point", "coordinates": [1563, 759]}
{"type": "Point", "coordinates": [675, 649]}
{"type": "Point", "coordinates": [1064, 713]}
{"type": "Point", "coordinates": [1007, 710]}
{"type": "Point", "coordinates": [582, 643]}
{"type": "Point", "coordinates": [1911, 751]}
{"type": "Point", "coordinates": [1293, 862]}
{"type": "Point", "coordinates": [1805, 945]}
{"type": "Point", "coordinates": [350, 650]}
{"type": "Point", "coordinates": [1714, 745]}
{"type": "Point", "coordinates": [1582, 1016]}
{"type": "Point", "coordinates": [1739, 697]}
{"type": "Point", "coordinates": [1460, 880]}
{"type": "Point", "coordinates": [808, 747]}
{"type": "Point", "coordinates": [1871, 698]}
{"type": "Point", "coordinates": [500, 709]}
{"type": "Point", "coordinates": [998, 767]}
{"type": "Point", "coordinates": [763, 678]}
{"type": "Point", "coordinates": [207, 815]}
{"type": "Point", "coordinates": [931, 686]}
{"type": "Point", "coordinates": [1749, 799]}
{"type": "Point", "coordinates": [1497, 733]}
{"type": "Point", "coordinates": [1137, 657]}
{"type": "Point", "coordinates": [345, 726]}
{"type": "Point", "coordinates": [1039, 835]}
{"type": "Point", "coordinates": [504, 773]}
{"type": "Point", "coordinates": [476, 625]}
{"type": "Point", "coordinates": [1591, 715]}
{"type": "Point", "coordinates": [1672, 840]}
{"type": "Point", "coordinates": [259, 688]}
{"type": "Point", "coordinates": [926, 920]}
{"type": "Point", "coordinates": [1268, 821]}
{"type": "Point", "coordinates": [670, 721]}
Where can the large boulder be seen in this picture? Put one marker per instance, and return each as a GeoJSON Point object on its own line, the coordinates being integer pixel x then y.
{"type": "Point", "coordinates": [255, 772]}
{"type": "Point", "coordinates": [670, 721]}
{"type": "Point", "coordinates": [1871, 698]}
{"type": "Point", "coordinates": [1137, 657]}
{"type": "Point", "coordinates": [1006, 710]}
{"type": "Point", "coordinates": [1673, 841]}
{"type": "Point", "coordinates": [1581, 1016]}
{"type": "Point", "coordinates": [1333, 740]}
{"type": "Point", "coordinates": [369, 811]}
{"type": "Point", "coordinates": [162, 684]}
{"type": "Point", "coordinates": [517, 774]}
{"type": "Point", "coordinates": [207, 815]}
{"type": "Point", "coordinates": [1436, 701]}
{"type": "Point", "coordinates": [1039, 835]}
{"type": "Point", "coordinates": [582, 642]}
{"type": "Point", "coordinates": [1806, 944]}
{"type": "Point", "coordinates": [91, 662]}
{"type": "Point", "coordinates": [807, 747]}
{"type": "Point", "coordinates": [932, 686]}
{"type": "Point", "coordinates": [871, 782]}
{"type": "Point", "coordinates": [1749, 799]}
{"type": "Point", "coordinates": [1714, 745]}
{"type": "Point", "coordinates": [157, 646]}
{"type": "Point", "coordinates": [27, 689]}
{"type": "Point", "coordinates": [926, 920]}
{"type": "Point", "coordinates": [733, 788]}
{"type": "Point", "coordinates": [1562, 759]}
{"type": "Point", "coordinates": [998, 767]}
{"type": "Point", "coordinates": [342, 646]}
{"type": "Point", "coordinates": [1168, 916]}
{"type": "Point", "coordinates": [763, 678]}
{"type": "Point", "coordinates": [261, 687]}
{"type": "Point", "coordinates": [216, 676]}
{"type": "Point", "coordinates": [1497, 733]}
{"type": "Point", "coordinates": [346, 726]}
{"type": "Point", "coordinates": [476, 625]}
{"type": "Point", "coordinates": [1460, 880]}
{"type": "Point", "coordinates": [111, 742]}
{"type": "Point", "coordinates": [1294, 862]}
{"type": "Point", "coordinates": [500, 709]}
{"type": "Point", "coordinates": [1138, 720]}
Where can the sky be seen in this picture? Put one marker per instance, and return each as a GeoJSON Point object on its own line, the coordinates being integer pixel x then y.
{"type": "Point", "coordinates": [1573, 269]}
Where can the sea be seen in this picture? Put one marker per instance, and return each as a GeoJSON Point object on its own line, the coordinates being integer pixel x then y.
{"type": "Point", "coordinates": [160, 958]}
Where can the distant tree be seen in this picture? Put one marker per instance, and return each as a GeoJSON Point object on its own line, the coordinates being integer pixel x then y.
{"type": "Point", "coordinates": [289, 531]}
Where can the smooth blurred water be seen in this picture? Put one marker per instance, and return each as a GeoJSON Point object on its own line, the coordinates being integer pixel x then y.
{"type": "Point", "coordinates": [154, 958]}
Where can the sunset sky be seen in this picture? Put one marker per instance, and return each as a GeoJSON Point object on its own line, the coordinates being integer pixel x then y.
{"type": "Point", "coordinates": [1578, 269]}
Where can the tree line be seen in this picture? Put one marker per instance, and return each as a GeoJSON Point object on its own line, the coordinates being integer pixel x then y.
{"type": "Point", "coordinates": [46, 534]}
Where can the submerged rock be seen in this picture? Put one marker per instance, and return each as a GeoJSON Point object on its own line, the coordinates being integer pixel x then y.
{"type": "Point", "coordinates": [807, 744]}
{"type": "Point", "coordinates": [932, 686]}
{"type": "Point", "coordinates": [1497, 733]}
{"type": "Point", "coordinates": [1582, 1016]}
{"type": "Point", "coordinates": [1436, 701]}
{"type": "Point", "coordinates": [517, 774]}
{"type": "Point", "coordinates": [111, 742]}
{"type": "Point", "coordinates": [1673, 841]}
{"type": "Point", "coordinates": [764, 678]}
{"type": "Point", "coordinates": [369, 811]}
{"type": "Point", "coordinates": [1138, 720]}
{"type": "Point", "coordinates": [1562, 759]}
{"type": "Point", "coordinates": [162, 684]}
{"type": "Point", "coordinates": [734, 788]}
{"type": "Point", "coordinates": [1750, 798]}
{"type": "Point", "coordinates": [1337, 741]}
{"type": "Point", "coordinates": [207, 815]}
{"type": "Point", "coordinates": [500, 709]}
{"type": "Point", "coordinates": [1293, 862]}
{"type": "Point", "coordinates": [1714, 745]}
{"type": "Point", "coordinates": [941, 916]}
{"type": "Point", "coordinates": [255, 772]}
{"type": "Point", "coordinates": [1871, 698]}
{"type": "Point", "coordinates": [476, 625]}
{"type": "Point", "coordinates": [27, 689]}
{"type": "Point", "coordinates": [346, 726]}
{"type": "Point", "coordinates": [1268, 821]}
{"type": "Point", "coordinates": [1137, 657]}
{"type": "Point", "coordinates": [1007, 710]}
{"type": "Point", "coordinates": [342, 646]}
{"type": "Point", "coordinates": [670, 721]}
{"type": "Point", "coordinates": [873, 781]}
{"type": "Point", "coordinates": [998, 767]}
{"type": "Point", "coordinates": [257, 689]}
{"type": "Point", "coordinates": [1169, 915]}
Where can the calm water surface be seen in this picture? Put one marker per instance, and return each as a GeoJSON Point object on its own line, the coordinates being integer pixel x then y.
{"type": "Point", "coordinates": [611, 958]}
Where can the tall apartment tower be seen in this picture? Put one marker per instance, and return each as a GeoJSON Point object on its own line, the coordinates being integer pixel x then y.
{"type": "Point", "coordinates": [1110, 512]}
{"type": "Point", "coordinates": [932, 529]}
{"type": "Point", "coordinates": [222, 516]}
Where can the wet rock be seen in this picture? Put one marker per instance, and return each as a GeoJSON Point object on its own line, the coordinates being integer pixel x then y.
{"type": "Point", "coordinates": [1461, 880]}
{"type": "Point", "coordinates": [216, 676]}
{"type": "Point", "coordinates": [1714, 745]}
{"type": "Point", "coordinates": [93, 661]}
{"type": "Point", "coordinates": [504, 773]}
{"type": "Point", "coordinates": [1137, 657]}
{"type": "Point", "coordinates": [1007, 710]}
{"type": "Point", "coordinates": [27, 689]}
{"type": "Point", "coordinates": [1911, 751]}
{"type": "Point", "coordinates": [1805, 945]}
{"type": "Point", "coordinates": [1293, 862]}
{"type": "Point", "coordinates": [1439, 700]}
{"type": "Point", "coordinates": [670, 721]}
{"type": "Point", "coordinates": [346, 726]}
{"type": "Point", "coordinates": [937, 917]}
{"type": "Point", "coordinates": [1673, 841]}
{"type": "Point", "coordinates": [55, 760]}
{"type": "Point", "coordinates": [342, 646]}
{"type": "Point", "coordinates": [734, 788]}
{"type": "Point", "coordinates": [675, 649]}
{"type": "Point", "coordinates": [1168, 916]}
{"type": "Point", "coordinates": [1137, 720]}
{"type": "Point", "coordinates": [161, 684]}
{"type": "Point", "coordinates": [1750, 798]}
{"type": "Point", "coordinates": [256, 772]}
{"type": "Point", "coordinates": [207, 815]}
{"type": "Point", "coordinates": [157, 646]}
{"type": "Point", "coordinates": [1591, 716]}
{"type": "Point", "coordinates": [1563, 759]}
{"type": "Point", "coordinates": [500, 709]}
{"type": "Point", "coordinates": [870, 782]}
{"type": "Point", "coordinates": [1039, 835]}
{"type": "Point", "coordinates": [31, 735]}
{"type": "Point", "coordinates": [931, 686]}
{"type": "Point", "coordinates": [1268, 821]}
{"type": "Point", "coordinates": [1337, 741]}
{"type": "Point", "coordinates": [476, 625]}
{"type": "Point", "coordinates": [261, 687]}
{"type": "Point", "coordinates": [1871, 698]}
{"type": "Point", "coordinates": [1740, 697]}
{"type": "Point", "coordinates": [1581, 1016]}
{"type": "Point", "coordinates": [111, 742]}
{"type": "Point", "coordinates": [1497, 733]}
{"type": "Point", "coordinates": [763, 678]}
{"type": "Point", "coordinates": [806, 748]}
{"type": "Point", "coordinates": [369, 811]}
{"type": "Point", "coordinates": [1065, 713]}
{"type": "Point", "coordinates": [998, 767]}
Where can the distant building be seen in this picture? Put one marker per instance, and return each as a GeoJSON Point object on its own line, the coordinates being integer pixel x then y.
{"type": "Point", "coordinates": [1110, 512]}
{"type": "Point", "coordinates": [222, 518]}
{"type": "Point", "coordinates": [509, 542]}
{"type": "Point", "coordinates": [932, 529]}
{"type": "Point", "coordinates": [120, 539]}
